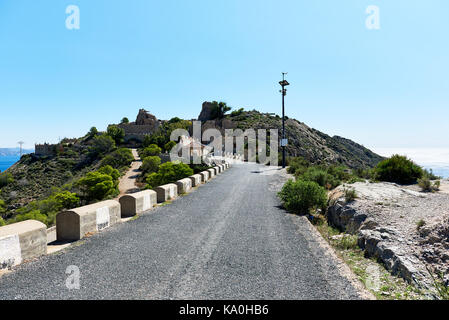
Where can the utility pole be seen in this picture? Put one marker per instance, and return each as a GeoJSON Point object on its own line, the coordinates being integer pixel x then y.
{"type": "Point", "coordinates": [21, 144]}
{"type": "Point", "coordinates": [283, 83]}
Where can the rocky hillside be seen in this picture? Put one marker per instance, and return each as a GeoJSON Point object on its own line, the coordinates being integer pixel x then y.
{"type": "Point", "coordinates": [36, 177]}
{"type": "Point", "coordinates": [304, 141]}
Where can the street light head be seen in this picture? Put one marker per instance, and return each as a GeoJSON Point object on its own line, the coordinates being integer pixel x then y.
{"type": "Point", "coordinates": [284, 83]}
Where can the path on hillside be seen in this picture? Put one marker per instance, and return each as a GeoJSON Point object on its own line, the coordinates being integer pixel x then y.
{"type": "Point", "coordinates": [127, 183]}
{"type": "Point", "coordinates": [229, 239]}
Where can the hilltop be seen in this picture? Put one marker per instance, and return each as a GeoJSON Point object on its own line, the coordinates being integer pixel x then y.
{"type": "Point", "coordinates": [309, 143]}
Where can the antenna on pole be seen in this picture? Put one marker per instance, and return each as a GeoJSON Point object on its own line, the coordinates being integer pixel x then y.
{"type": "Point", "coordinates": [21, 143]}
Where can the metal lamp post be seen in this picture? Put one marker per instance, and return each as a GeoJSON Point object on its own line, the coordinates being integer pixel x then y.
{"type": "Point", "coordinates": [283, 83]}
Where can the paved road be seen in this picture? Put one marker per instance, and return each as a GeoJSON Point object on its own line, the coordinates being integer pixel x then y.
{"type": "Point", "coordinates": [227, 240]}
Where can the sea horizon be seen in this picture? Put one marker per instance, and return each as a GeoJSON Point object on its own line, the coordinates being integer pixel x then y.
{"type": "Point", "coordinates": [435, 159]}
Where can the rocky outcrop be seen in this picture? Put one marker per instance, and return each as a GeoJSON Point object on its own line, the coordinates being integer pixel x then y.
{"type": "Point", "coordinates": [206, 112]}
{"type": "Point", "coordinates": [385, 216]}
{"type": "Point", "coordinates": [145, 118]}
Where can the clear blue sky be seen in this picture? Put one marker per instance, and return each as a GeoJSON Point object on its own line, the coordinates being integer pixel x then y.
{"type": "Point", "coordinates": [381, 88]}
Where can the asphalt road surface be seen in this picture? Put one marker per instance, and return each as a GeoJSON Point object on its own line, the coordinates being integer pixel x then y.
{"type": "Point", "coordinates": [229, 239]}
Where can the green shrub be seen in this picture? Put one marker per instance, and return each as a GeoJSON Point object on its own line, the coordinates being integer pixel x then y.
{"type": "Point", "coordinates": [66, 200]}
{"type": "Point", "coordinates": [169, 172]}
{"type": "Point", "coordinates": [2, 222]}
{"type": "Point", "coordinates": [236, 113]}
{"type": "Point", "coordinates": [150, 164]}
{"type": "Point", "coordinates": [100, 184]}
{"type": "Point", "coordinates": [421, 223]}
{"type": "Point", "coordinates": [150, 151]}
{"type": "Point", "coordinates": [297, 163]}
{"type": "Point", "coordinates": [340, 173]}
{"type": "Point", "coordinates": [347, 241]}
{"type": "Point", "coordinates": [5, 179]}
{"type": "Point", "coordinates": [2, 207]}
{"type": "Point", "coordinates": [120, 158]}
{"type": "Point", "coordinates": [47, 209]}
{"type": "Point", "coordinates": [116, 133]}
{"type": "Point", "coordinates": [398, 169]}
{"type": "Point", "coordinates": [197, 168]}
{"type": "Point", "coordinates": [169, 145]}
{"type": "Point", "coordinates": [101, 145]}
{"type": "Point", "coordinates": [427, 186]}
{"type": "Point", "coordinates": [30, 215]}
{"type": "Point", "coordinates": [429, 174]}
{"type": "Point", "coordinates": [303, 196]}
{"type": "Point", "coordinates": [320, 176]}
{"type": "Point", "coordinates": [350, 195]}
{"type": "Point", "coordinates": [92, 133]}
{"type": "Point", "coordinates": [364, 173]}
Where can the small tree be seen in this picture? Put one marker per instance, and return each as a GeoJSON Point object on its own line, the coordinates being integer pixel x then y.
{"type": "Point", "coordinates": [120, 158]}
{"type": "Point", "coordinates": [101, 145]}
{"type": "Point", "coordinates": [100, 184]}
{"type": "Point", "coordinates": [116, 133]}
{"type": "Point", "coordinates": [152, 150]}
{"type": "Point", "coordinates": [92, 132]}
{"type": "Point", "coordinates": [150, 164]}
{"type": "Point", "coordinates": [5, 179]}
{"type": "Point", "coordinates": [125, 120]}
{"type": "Point", "coordinates": [219, 109]}
{"type": "Point", "coordinates": [169, 145]}
{"type": "Point", "coordinates": [66, 200]}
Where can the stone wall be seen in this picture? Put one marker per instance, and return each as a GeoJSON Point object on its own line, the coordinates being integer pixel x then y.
{"type": "Point", "coordinates": [45, 149]}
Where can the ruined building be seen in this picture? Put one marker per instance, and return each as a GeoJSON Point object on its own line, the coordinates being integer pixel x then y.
{"type": "Point", "coordinates": [145, 124]}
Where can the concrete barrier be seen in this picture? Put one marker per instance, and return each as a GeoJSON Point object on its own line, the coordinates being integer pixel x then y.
{"type": "Point", "coordinates": [51, 234]}
{"type": "Point", "coordinates": [74, 224]}
{"type": "Point", "coordinates": [217, 170]}
{"type": "Point", "coordinates": [223, 168]}
{"type": "Point", "coordinates": [22, 241]}
{"type": "Point", "coordinates": [196, 180]}
{"type": "Point", "coordinates": [211, 173]}
{"type": "Point", "coordinates": [184, 185]}
{"type": "Point", "coordinates": [137, 203]}
{"type": "Point", "coordinates": [166, 192]}
{"type": "Point", "coordinates": [205, 176]}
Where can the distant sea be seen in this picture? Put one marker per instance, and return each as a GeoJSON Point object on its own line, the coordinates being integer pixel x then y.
{"type": "Point", "coordinates": [436, 159]}
{"type": "Point", "coordinates": [7, 161]}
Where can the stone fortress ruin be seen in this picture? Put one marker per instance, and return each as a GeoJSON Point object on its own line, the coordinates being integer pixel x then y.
{"type": "Point", "coordinates": [145, 124]}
